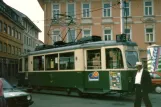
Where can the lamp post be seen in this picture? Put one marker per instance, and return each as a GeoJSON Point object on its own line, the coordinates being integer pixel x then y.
{"type": "Point", "coordinates": [122, 16]}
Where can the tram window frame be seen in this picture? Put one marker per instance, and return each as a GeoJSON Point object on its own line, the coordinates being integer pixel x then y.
{"type": "Point", "coordinates": [39, 65]}
{"type": "Point", "coordinates": [94, 59]}
{"type": "Point", "coordinates": [66, 64]}
{"type": "Point", "coordinates": [114, 61]}
{"type": "Point", "coordinates": [51, 62]}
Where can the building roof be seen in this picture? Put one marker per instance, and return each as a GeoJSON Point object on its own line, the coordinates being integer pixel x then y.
{"type": "Point", "coordinates": [6, 10]}
{"type": "Point", "coordinates": [23, 16]}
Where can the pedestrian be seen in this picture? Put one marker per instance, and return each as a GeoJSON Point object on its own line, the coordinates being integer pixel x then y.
{"type": "Point", "coordinates": [2, 99]}
{"type": "Point", "coordinates": [143, 86]}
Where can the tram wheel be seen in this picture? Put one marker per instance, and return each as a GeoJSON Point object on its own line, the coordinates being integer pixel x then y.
{"type": "Point", "coordinates": [80, 93]}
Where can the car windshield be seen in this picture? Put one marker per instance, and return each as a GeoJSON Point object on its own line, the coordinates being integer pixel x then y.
{"type": "Point", "coordinates": [131, 58]}
{"type": "Point", "coordinates": [6, 85]}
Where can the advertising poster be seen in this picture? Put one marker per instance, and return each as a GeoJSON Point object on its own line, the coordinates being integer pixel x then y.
{"type": "Point", "coordinates": [154, 59]}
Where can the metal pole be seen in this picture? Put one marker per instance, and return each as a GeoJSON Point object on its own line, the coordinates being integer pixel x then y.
{"type": "Point", "coordinates": [122, 16]}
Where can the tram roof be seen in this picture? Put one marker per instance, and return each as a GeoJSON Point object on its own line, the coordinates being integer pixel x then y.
{"type": "Point", "coordinates": [84, 45]}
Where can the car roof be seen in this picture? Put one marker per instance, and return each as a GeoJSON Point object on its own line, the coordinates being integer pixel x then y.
{"type": "Point", "coordinates": [156, 72]}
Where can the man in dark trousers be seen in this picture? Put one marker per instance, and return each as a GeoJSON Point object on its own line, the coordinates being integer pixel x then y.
{"type": "Point", "coordinates": [143, 86]}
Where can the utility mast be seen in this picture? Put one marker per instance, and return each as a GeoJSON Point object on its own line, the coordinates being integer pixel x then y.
{"type": "Point", "coordinates": [122, 16]}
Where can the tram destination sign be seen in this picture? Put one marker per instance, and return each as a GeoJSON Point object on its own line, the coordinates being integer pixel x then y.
{"type": "Point", "coordinates": [122, 38]}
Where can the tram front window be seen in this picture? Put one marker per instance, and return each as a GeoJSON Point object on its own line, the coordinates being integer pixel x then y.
{"type": "Point", "coordinates": [131, 58]}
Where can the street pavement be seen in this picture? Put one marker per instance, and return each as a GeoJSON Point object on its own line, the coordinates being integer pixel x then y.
{"type": "Point", "coordinates": [49, 100]}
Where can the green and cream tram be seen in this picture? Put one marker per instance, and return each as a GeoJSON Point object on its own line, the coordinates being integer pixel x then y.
{"type": "Point", "coordinates": [91, 67]}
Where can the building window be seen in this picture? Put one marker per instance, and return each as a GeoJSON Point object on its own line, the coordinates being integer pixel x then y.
{"type": "Point", "coordinates": [56, 36]}
{"type": "Point", "coordinates": [13, 50]}
{"type": "Point", "coordinates": [5, 28]}
{"type": "Point", "coordinates": [25, 51]}
{"type": "Point", "coordinates": [33, 43]}
{"type": "Point", "coordinates": [13, 32]}
{"type": "Point", "coordinates": [106, 10]}
{"type": "Point", "coordinates": [29, 42]}
{"type": "Point", "coordinates": [9, 48]}
{"type": "Point", "coordinates": [107, 35]}
{"type": "Point", "coordinates": [128, 33]}
{"type": "Point", "coordinates": [9, 30]}
{"type": "Point", "coordinates": [149, 35]}
{"type": "Point", "coordinates": [71, 9]}
{"type": "Point", "coordinates": [127, 9]}
{"type": "Point", "coordinates": [19, 36]}
{"type": "Point", "coordinates": [16, 34]}
{"type": "Point", "coordinates": [25, 41]}
{"type": "Point", "coordinates": [0, 46]}
{"type": "Point", "coordinates": [16, 50]}
{"type": "Point", "coordinates": [86, 33]}
{"type": "Point", "coordinates": [5, 47]}
{"type": "Point", "coordinates": [19, 51]}
{"type": "Point", "coordinates": [86, 9]}
{"type": "Point", "coordinates": [0, 26]}
{"type": "Point", "coordinates": [56, 10]}
{"type": "Point", "coordinates": [148, 8]}
{"type": "Point", "coordinates": [71, 35]}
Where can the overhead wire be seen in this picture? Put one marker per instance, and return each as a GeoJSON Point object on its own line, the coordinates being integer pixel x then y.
{"type": "Point", "coordinates": [93, 10]}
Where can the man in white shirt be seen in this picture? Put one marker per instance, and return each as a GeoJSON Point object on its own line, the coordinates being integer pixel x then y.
{"type": "Point", "coordinates": [143, 86]}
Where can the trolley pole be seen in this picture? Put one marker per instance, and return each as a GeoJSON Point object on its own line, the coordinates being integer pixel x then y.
{"type": "Point", "coordinates": [122, 16]}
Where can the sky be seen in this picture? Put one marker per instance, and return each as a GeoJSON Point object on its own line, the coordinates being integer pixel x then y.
{"type": "Point", "coordinates": [32, 9]}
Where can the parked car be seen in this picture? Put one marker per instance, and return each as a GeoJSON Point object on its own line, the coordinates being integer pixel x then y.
{"type": "Point", "coordinates": [156, 81]}
{"type": "Point", "coordinates": [15, 97]}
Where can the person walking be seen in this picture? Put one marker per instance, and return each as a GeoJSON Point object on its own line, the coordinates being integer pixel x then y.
{"type": "Point", "coordinates": [143, 86]}
{"type": "Point", "coordinates": [2, 99]}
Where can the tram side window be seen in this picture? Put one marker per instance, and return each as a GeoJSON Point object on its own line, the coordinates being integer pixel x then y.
{"type": "Point", "coordinates": [38, 63]}
{"type": "Point", "coordinates": [114, 58]}
{"type": "Point", "coordinates": [66, 61]}
{"type": "Point", "coordinates": [51, 62]}
{"type": "Point", "coordinates": [94, 59]}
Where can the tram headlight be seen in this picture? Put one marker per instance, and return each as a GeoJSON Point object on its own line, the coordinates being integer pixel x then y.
{"type": "Point", "coordinates": [118, 74]}
{"type": "Point", "coordinates": [29, 97]}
